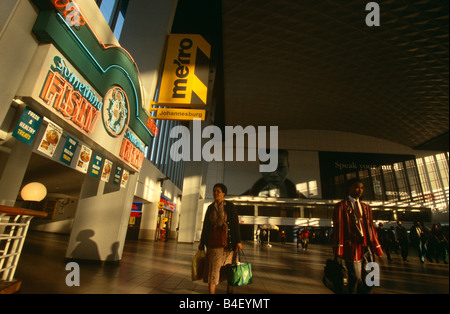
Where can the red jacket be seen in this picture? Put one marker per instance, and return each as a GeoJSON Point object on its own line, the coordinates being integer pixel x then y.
{"type": "Point", "coordinates": [346, 239]}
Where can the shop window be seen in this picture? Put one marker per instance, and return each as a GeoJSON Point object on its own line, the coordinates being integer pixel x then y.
{"type": "Point", "coordinates": [402, 186]}
{"type": "Point", "coordinates": [382, 214]}
{"type": "Point", "coordinates": [114, 12]}
{"type": "Point", "coordinates": [389, 183]}
{"type": "Point", "coordinates": [246, 210]}
{"type": "Point", "coordinates": [159, 153]}
{"type": "Point", "coordinates": [442, 163]}
{"type": "Point", "coordinates": [412, 176]}
{"type": "Point", "coordinates": [432, 173]}
{"type": "Point", "coordinates": [364, 176]}
{"type": "Point", "coordinates": [268, 211]}
{"type": "Point", "coordinates": [319, 211]}
{"type": "Point", "coordinates": [340, 189]}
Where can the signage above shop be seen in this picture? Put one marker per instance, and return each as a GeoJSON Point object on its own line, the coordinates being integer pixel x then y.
{"type": "Point", "coordinates": [104, 66]}
{"type": "Point", "coordinates": [166, 204]}
{"type": "Point", "coordinates": [65, 92]}
{"type": "Point", "coordinates": [185, 76]}
{"type": "Point", "coordinates": [71, 12]}
{"type": "Point", "coordinates": [27, 126]}
{"type": "Point", "coordinates": [92, 87]}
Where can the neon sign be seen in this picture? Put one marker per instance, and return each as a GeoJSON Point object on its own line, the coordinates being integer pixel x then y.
{"type": "Point", "coordinates": [58, 93]}
{"type": "Point", "coordinates": [116, 111]}
{"type": "Point", "coordinates": [132, 150]}
{"type": "Point", "coordinates": [151, 125]}
{"type": "Point", "coordinates": [71, 77]}
{"type": "Point", "coordinates": [70, 11]}
{"type": "Point", "coordinates": [64, 24]}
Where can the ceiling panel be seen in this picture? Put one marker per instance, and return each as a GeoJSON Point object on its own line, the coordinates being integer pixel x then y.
{"type": "Point", "coordinates": [317, 65]}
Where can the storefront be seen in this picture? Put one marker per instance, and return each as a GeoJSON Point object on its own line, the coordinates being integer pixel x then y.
{"type": "Point", "coordinates": [77, 118]}
{"type": "Point", "coordinates": [165, 218]}
{"type": "Point", "coordinates": [134, 223]}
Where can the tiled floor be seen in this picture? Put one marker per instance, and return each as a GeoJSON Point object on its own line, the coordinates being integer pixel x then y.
{"type": "Point", "coordinates": [165, 268]}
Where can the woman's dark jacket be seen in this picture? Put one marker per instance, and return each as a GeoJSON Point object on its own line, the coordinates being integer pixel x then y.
{"type": "Point", "coordinates": [234, 233]}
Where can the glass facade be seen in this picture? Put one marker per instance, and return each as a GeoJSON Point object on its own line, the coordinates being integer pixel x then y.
{"type": "Point", "coordinates": [159, 153]}
{"type": "Point", "coordinates": [415, 180]}
{"type": "Point", "coordinates": [433, 171]}
{"type": "Point", "coordinates": [114, 12]}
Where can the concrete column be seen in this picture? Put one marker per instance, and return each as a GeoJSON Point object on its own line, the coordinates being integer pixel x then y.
{"type": "Point", "coordinates": [101, 221]}
{"type": "Point", "coordinates": [149, 221]}
{"type": "Point", "coordinates": [13, 172]}
{"type": "Point", "coordinates": [174, 225]}
{"type": "Point", "coordinates": [255, 226]}
{"type": "Point", "coordinates": [191, 203]}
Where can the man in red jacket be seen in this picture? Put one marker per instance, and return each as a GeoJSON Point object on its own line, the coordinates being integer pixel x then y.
{"type": "Point", "coordinates": [354, 236]}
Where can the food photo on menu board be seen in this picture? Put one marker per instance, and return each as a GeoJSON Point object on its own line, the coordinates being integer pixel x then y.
{"type": "Point", "coordinates": [83, 159]}
{"type": "Point", "coordinates": [125, 176]}
{"type": "Point", "coordinates": [107, 166]}
{"type": "Point", "coordinates": [50, 139]}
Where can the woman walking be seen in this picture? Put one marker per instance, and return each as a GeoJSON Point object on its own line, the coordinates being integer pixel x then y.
{"type": "Point", "coordinates": [221, 237]}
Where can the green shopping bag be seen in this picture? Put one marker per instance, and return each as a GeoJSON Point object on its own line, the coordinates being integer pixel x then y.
{"type": "Point", "coordinates": [240, 273]}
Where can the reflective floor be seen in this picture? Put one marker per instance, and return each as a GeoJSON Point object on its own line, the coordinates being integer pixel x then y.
{"type": "Point", "coordinates": [165, 268]}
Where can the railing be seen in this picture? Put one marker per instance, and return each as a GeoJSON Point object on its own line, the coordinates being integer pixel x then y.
{"type": "Point", "coordinates": [14, 223]}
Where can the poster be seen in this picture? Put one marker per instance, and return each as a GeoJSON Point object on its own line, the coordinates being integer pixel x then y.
{"type": "Point", "coordinates": [27, 126]}
{"type": "Point", "coordinates": [51, 138]}
{"type": "Point", "coordinates": [124, 180]}
{"type": "Point", "coordinates": [69, 150]}
{"type": "Point", "coordinates": [106, 172]}
{"type": "Point", "coordinates": [297, 176]}
{"type": "Point", "coordinates": [83, 159]}
{"type": "Point", "coordinates": [118, 175]}
{"type": "Point", "coordinates": [96, 165]}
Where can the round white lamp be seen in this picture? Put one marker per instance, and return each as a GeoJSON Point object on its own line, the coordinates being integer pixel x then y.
{"type": "Point", "coordinates": [33, 191]}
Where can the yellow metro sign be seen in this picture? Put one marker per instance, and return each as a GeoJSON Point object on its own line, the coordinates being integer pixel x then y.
{"type": "Point", "coordinates": [184, 81]}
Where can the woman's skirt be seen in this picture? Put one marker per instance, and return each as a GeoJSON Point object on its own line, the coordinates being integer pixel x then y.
{"type": "Point", "coordinates": [217, 260]}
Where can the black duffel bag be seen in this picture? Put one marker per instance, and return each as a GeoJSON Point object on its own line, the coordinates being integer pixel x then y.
{"type": "Point", "coordinates": [336, 276]}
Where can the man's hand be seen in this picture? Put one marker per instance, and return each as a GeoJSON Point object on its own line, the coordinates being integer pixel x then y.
{"type": "Point", "coordinates": [239, 246]}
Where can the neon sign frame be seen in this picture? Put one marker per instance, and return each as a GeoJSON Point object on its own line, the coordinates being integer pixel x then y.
{"type": "Point", "coordinates": [110, 60]}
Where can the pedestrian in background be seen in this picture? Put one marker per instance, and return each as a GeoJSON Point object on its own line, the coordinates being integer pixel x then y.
{"type": "Point", "coordinates": [402, 238]}
{"type": "Point", "coordinates": [355, 239]}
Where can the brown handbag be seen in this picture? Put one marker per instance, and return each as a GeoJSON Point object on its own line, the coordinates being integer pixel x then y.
{"type": "Point", "coordinates": [219, 237]}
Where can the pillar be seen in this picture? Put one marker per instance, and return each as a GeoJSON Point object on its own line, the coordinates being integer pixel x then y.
{"type": "Point", "coordinates": [191, 210]}
{"type": "Point", "coordinates": [148, 222]}
{"type": "Point", "coordinates": [101, 221]}
{"type": "Point", "coordinates": [13, 172]}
